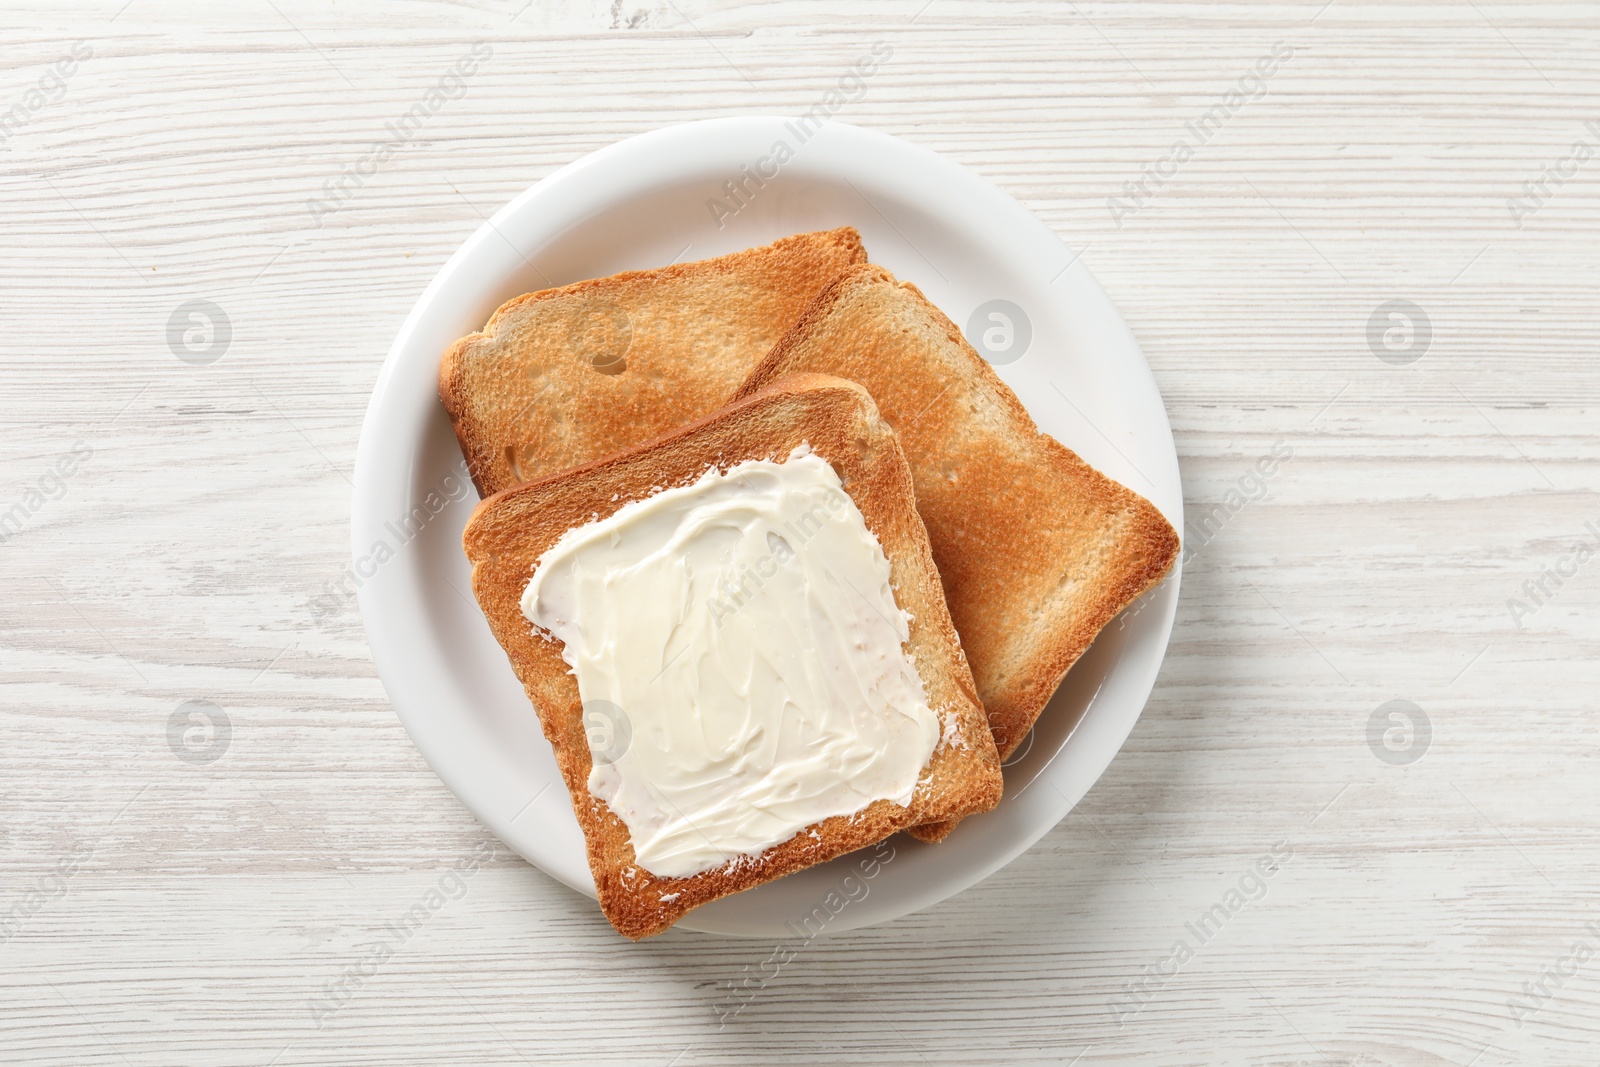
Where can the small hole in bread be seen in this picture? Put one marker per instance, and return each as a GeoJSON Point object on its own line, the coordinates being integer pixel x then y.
{"type": "Point", "coordinates": [601, 337]}
{"type": "Point", "coordinates": [609, 363]}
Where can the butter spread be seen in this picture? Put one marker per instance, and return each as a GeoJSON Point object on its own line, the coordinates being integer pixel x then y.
{"type": "Point", "coordinates": [741, 661]}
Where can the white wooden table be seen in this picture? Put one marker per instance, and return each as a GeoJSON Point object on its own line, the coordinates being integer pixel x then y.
{"type": "Point", "coordinates": [1437, 892]}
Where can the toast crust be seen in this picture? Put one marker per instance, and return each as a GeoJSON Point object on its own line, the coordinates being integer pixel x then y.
{"type": "Point", "coordinates": [1037, 550]}
{"type": "Point", "coordinates": [563, 376]}
{"type": "Point", "coordinates": [510, 531]}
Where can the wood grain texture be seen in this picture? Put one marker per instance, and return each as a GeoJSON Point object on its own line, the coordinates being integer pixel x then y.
{"type": "Point", "coordinates": [194, 913]}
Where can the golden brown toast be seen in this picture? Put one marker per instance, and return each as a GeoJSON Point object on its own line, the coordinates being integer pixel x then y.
{"type": "Point", "coordinates": [511, 530]}
{"type": "Point", "coordinates": [564, 376]}
{"type": "Point", "coordinates": [1036, 549]}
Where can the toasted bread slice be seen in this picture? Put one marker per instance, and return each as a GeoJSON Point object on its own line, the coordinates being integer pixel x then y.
{"type": "Point", "coordinates": [510, 531]}
{"type": "Point", "coordinates": [1036, 549]}
{"type": "Point", "coordinates": [564, 376]}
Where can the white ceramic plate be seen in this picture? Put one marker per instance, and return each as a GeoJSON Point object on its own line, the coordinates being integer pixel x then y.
{"type": "Point", "coordinates": [649, 201]}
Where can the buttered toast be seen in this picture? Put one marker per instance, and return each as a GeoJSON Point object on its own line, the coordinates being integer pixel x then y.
{"type": "Point", "coordinates": [516, 532]}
